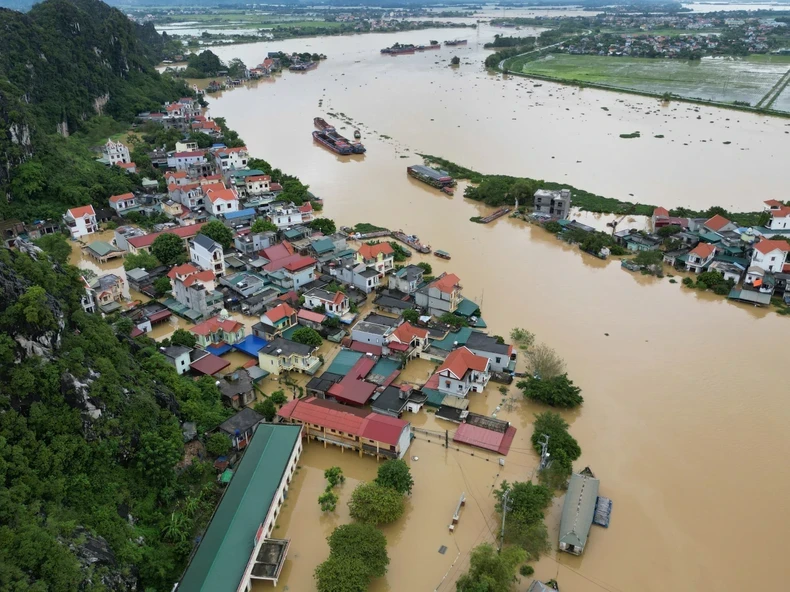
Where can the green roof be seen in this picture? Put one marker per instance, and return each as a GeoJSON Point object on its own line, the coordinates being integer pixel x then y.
{"type": "Point", "coordinates": [578, 509]}
{"type": "Point", "coordinates": [709, 237]}
{"type": "Point", "coordinates": [447, 344]}
{"type": "Point", "coordinates": [244, 173]}
{"type": "Point", "coordinates": [466, 308]}
{"type": "Point", "coordinates": [435, 398]}
{"type": "Point", "coordinates": [220, 560]}
{"type": "Point", "coordinates": [344, 361]}
{"type": "Point", "coordinates": [102, 248]}
{"type": "Point", "coordinates": [323, 245]}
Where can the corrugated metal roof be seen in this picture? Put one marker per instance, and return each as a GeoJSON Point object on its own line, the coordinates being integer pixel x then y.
{"type": "Point", "coordinates": [219, 562]}
{"type": "Point", "coordinates": [578, 510]}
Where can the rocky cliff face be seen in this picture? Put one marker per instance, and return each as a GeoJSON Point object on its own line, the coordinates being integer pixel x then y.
{"type": "Point", "coordinates": [98, 562]}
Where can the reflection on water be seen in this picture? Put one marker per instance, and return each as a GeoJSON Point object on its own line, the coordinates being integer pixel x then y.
{"type": "Point", "coordinates": [684, 416]}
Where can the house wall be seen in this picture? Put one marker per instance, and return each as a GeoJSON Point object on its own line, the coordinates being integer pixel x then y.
{"type": "Point", "coordinates": [269, 363]}
{"type": "Point", "coordinates": [365, 337]}
{"type": "Point", "coordinates": [223, 207]}
{"type": "Point", "coordinates": [301, 277]}
{"type": "Point", "coordinates": [404, 441]}
{"type": "Point", "coordinates": [773, 261]}
{"type": "Point", "coordinates": [452, 386]}
{"type": "Point", "coordinates": [498, 361]}
{"type": "Point", "coordinates": [181, 363]}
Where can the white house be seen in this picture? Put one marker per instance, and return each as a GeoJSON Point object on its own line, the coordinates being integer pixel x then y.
{"type": "Point", "coordinates": [181, 161]}
{"type": "Point", "coordinates": [257, 184]}
{"type": "Point", "coordinates": [780, 215]}
{"type": "Point", "coordinates": [407, 279]}
{"type": "Point", "coordinates": [116, 153]}
{"type": "Point", "coordinates": [178, 356]}
{"type": "Point", "coordinates": [186, 146]}
{"type": "Point", "coordinates": [178, 178]}
{"type": "Point", "coordinates": [207, 254]}
{"type": "Point", "coordinates": [770, 255]}
{"type": "Point", "coordinates": [81, 221]}
{"type": "Point", "coordinates": [440, 296]}
{"type": "Point", "coordinates": [290, 215]}
{"type": "Point", "coordinates": [222, 201]}
{"type": "Point", "coordinates": [230, 159]}
{"type": "Point", "coordinates": [190, 196]}
{"type": "Point", "coordinates": [462, 372]}
{"type": "Point", "coordinates": [700, 257]}
{"type": "Point", "coordinates": [122, 203]}
{"type": "Point", "coordinates": [299, 272]}
{"type": "Point", "coordinates": [334, 303]}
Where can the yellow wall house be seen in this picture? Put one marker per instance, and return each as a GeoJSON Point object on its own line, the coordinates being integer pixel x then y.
{"type": "Point", "coordinates": [282, 355]}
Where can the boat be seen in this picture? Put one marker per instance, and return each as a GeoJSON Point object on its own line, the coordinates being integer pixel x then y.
{"type": "Point", "coordinates": [491, 217]}
{"type": "Point", "coordinates": [412, 241]}
{"type": "Point", "coordinates": [442, 254]}
{"type": "Point", "coordinates": [356, 147]}
{"type": "Point", "coordinates": [357, 135]}
{"type": "Point", "coordinates": [431, 46]}
{"type": "Point", "coordinates": [448, 190]}
{"type": "Point", "coordinates": [455, 42]}
{"type": "Point", "coordinates": [303, 66]}
{"type": "Point", "coordinates": [398, 49]}
{"type": "Point", "coordinates": [432, 177]}
{"type": "Point", "coordinates": [334, 145]}
{"type": "Point", "coordinates": [321, 123]}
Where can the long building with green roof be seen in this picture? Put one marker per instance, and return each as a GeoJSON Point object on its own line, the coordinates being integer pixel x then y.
{"type": "Point", "coordinates": [235, 548]}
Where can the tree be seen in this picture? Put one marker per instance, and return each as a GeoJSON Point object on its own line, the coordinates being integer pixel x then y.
{"type": "Point", "coordinates": [218, 444]}
{"type": "Point", "coordinates": [453, 320]}
{"type": "Point", "coordinates": [334, 475]}
{"type": "Point", "coordinates": [56, 246]}
{"type": "Point", "coordinates": [278, 398]}
{"type": "Point", "coordinates": [523, 338]}
{"type": "Point", "coordinates": [426, 267]}
{"type": "Point", "coordinates": [342, 574]}
{"type": "Point", "coordinates": [553, 227]}
{"type": "Point", "coordinates": [649, 258]}
{"type": "Point", "coordinates": [558, 391]}
{"type": "Point", "coordinates": [262, 225]}
{"type": "Point", "coordinates": [490, 571]}
{"type": "Point", "coordinates": [524, 520]}
{"type": "Point", "coordinates": [156, 456]}
{"type": "Point", "coordinates": [169, 249]}
{"type": "Point", "coordinates": [455, 61]}
{"type": "Point", "coordinates": [183, 338]}
{"type": "Point", "coordinates": [162, 285]}
{"type": "Point", "coordinates": [307, 336]}
{"type": "Point", "coordinates": [543, 362]}
{"type": "Point", "coordinates": [395, 474]}
{"type": "Point", "coordinates": [563, 448]}
{"type": "Point", "coordinates": [325, 225]}
{"type": "Point", "coordinates": [361, 541]}
{"type": "Point", "coordinates": [218, 232]}
{"type": "Point", "coordinates": [236, 69]}
{"type": "Point", "coordinates": [667, 231]}
{"type": "Point", "coordinates": [374, 504]}
{"type": "Point", "coordinates": [328, 500]}
{"type": "Point", "coordinates": [267, 408]}
{"type": "Point", "coordinates": [411, 315]}
{"type": "Point", "coordinates": [33, 309]}
{"type": "Point", "coordinates": [141, 259]}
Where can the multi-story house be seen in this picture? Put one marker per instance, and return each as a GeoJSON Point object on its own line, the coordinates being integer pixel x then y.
{"type": "Point", "coordinates": [358, 276]}
{"type": "Point", "coordinates": [122, 203]}
{"type": "Point", "coordinates": [229, 159]}
{"type": "Point", "coordinates": [181, 161]}
{"type": "Point", "coordinates": [178, 356]}
{"type": "Point", "coordinates": [291, 215]}
{"type": "Point", "coordinates": [252, 243]}
{"type": "Point", "coordinates": [299, 272]}
{"type": "Point", "coordinates": [380, 257]}
{"type": "Point", "coordinates": [106, 292]}
{"type": "Point", "coordinates": [700, 257]}
{"type": "Point", "coordinates": [501, 355]}
{"type": "Point", "coordinates": [442, 295]}
{"type": "Point", "coordinates": [552, 203]}
{"type": "Point", "coordinates": [336, 304]}
{"type": "Point", "coordinates": [207, 254]}
{"type": "Point", "coordinates": [275, 321]}
{"type": "Point", "coordinates": [407, 279]}
{"type": "Point", "coordinates": [217, 331]}
{"type": "Point", "coordinates": [257, 184]}
{"type": "Point", "coordinates": [463, 371]}
{"type": "Point", "coordinates": [770, 255]}
{"type": "Point", "coordinates": [195, 289]}
{"type": "Point", "coordinates": [283, 355]}
{"type": "Point", "coordinates": [178, 178]}
{"type": "Point", "coordinates": [408, 340]}
{"type": "Point", "coordinates": [780, 217]}
{"type": "Point", "coordinates": [81, 221]}
{"type": "Point", "coordinates": [222, 201]}
{"type": "Point", "coordinates": [718, 224]}
{"type": "Point", "coordinates": [116, 153]}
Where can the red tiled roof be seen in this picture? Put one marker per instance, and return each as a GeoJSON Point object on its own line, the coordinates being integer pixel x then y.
{"type": "Point", "coordinates": [209, 364]}
{"type": "Point", "coordinates": [773, 203]}
{"type": "Point", "coordinates": [81, 212]}
{"type": "Point", "coordinates": [214, 324]}
{"type": "Point", "coordinates": [398, 346]}
{"type": "Point", "coordinates": [353, 388]}
{"type": "Point", "coordinates": [304, 208]}
{"type": "Point", "coordinates": [125, 165]}
{"type": "Point", "coordinates": [372, 251]}
{"type": "Point", "coordinates": [300, 263]}
{"type": "Point", "coordinates": [483, 438]}
{"type": "Point", "coordinates": [461, 360]}
{"type": "Point", "coordinates": [185, 269]}
{"type": "Point", "coordinates": [176, 174]}
{"type": "Point", "coordinates": [117, 198]}
{"type": "Point", "coordinates": [290, 296]}
{"type": "Point", "coordinates": [190, 153]}
{"type": "Point", "coordinates": [365, 348]}
{"type": "Point", "coordinates": [383, 428]}
{"type": "Point", "coordinates": [766, 246]}
{"type": "Point", "coordinates": [406, 332]}
{"type": "Point", "coordinates": [173, 107]}
{"type": "Point", "coordinates": [279, 312]}
{"type": "Point", "coordinates": [716, 223]}
{"type": "Point", "coordinates": [446, 283]}
{"type": "Point", "coordinates": [703, 250]}
{"type": "Point", "coordinates": [201, 276]}
{"type": "Point", "coordinates": [212, 179]}
{"type": "Point", "coordinates": [215, 195]}
{"type": "Point", "coordinates": [309, 315]}
{"type": "Point", "coordinates": [255, 178]}
{"type": "Point", "coordinates": [148, 239]}
{"type": "Point", "coordinates": [279, 251]}
{"type": "Point", "coordinates": [782, 212]}
{"type": "Point", "coordinates": [276, 187]}
{"type": "Point", "coordinates": [659, 212]}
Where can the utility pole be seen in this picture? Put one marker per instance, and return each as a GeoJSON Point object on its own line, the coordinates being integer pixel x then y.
{"type": "Point", "coordinates": [446, 439]}
{"type": "Point", "coordinates": [505, 508]}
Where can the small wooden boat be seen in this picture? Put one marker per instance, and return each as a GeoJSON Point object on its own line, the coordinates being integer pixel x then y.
{"type": "Point", "coordinates": [442, 254]}
{"type": "Point", "coordinates": [357, 135]}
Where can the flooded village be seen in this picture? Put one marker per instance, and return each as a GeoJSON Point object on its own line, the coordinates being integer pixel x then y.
{"type": "Point", "coordinates": [384, 317]}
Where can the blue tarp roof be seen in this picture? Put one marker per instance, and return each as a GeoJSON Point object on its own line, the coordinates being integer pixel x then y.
{"type": "Point", "coordinates": [219, 350]}
{"type": "Point", "coordinates": [251, 345]}
{"type": "Point", "coordinates": [240, 214]}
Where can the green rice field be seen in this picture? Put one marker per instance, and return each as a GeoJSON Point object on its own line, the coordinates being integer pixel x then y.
{"type": "Point", "coordinates": [718, 79]}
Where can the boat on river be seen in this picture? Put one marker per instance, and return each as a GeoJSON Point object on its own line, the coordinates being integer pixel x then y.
{"type": "Point", "coordinates": [491, 217]}
{"type": "Point", "coordinates": [357, 134]}
{"type": "Point", "coordinates": [442, 254]}
{"type": "Point", "coordinates": [336, 146]}
{"type": "Point", "coordinates": [303, 66]}
{"type": "Point", "coordinates": [431, 46]}
{"type": "Point", "coordinates": [432, 177]}
{"type": "Point", "coordinates": [399, 49]}
{"type": "Point", "coordinates": [321, 123]}
{"type": "Point", "coordinates": [331, 134]}
{"type": "Point", "coordinates": [455, 42]}
{"type": "Point", "coordinates": [412, 241]}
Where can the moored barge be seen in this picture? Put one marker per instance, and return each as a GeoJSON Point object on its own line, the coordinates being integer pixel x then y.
{"type": "Point", "coordinates": [337, 146]}
{"type": "Point", "coordinates": [435, 178]}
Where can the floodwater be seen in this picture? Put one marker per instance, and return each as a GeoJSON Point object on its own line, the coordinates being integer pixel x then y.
{"type": "Point", "coordinates": [685, 408]}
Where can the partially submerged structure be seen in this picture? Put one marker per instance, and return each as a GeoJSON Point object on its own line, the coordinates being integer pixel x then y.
{"type": "Point", "coordinates": [578, 512]}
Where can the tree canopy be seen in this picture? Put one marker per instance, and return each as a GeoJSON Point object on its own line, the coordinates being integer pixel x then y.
{"type": "Point", "coordinates": [395, 474]}
{"type": "Point", "coordinates": [375, 504]}
{"type": "Point", "coordinates": [524, 524]}
{"type": "Point", "coordinates": [325, 225]}
{"type": "Point", "coordinates": [307, 336]}
{"type": "Point", "coordinates": [362, 541]}
{"type": "Point", "coordinates": [169, 249]}
{"type": "Point", "coordinates": [263, 225]}
{"type": "Point", "coordinates": [557, 391]}
{"type": "Point", "coordinates": [563, 448]}
{"type": "Point", "coordinates": [219, 233]}
{"type": "Point", "coordinates": [490, 571]}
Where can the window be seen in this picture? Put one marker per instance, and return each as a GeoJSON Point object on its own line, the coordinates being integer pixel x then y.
{"type": "Point", "coordinates": [497, 359]}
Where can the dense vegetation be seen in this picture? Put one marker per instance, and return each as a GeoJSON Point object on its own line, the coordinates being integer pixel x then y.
{"type": "Point", "coordinates": [89, 443]}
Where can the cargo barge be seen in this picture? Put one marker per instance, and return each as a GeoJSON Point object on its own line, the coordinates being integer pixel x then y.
{"type": "Point", "coordinates": [337, 146]}
{"type": "Point", "coordinates": [398, 49]}
{"type": "Point", "coordinates": [321, 123]}
{"type": "Point", "coordinates": [439, 179]}
{"type": "Point", "coordinates": [455, 42]}
{"type": "Point", "coordinates": [431, 46]}
{"type": "Point", "coordinates": [412, 241]}
{"type": "Point", "coordinates": [331, 133]}
{"type": "Point", "coordinates": [303, 67]}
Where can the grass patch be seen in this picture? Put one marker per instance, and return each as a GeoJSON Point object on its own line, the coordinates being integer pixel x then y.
{"type": "Point", "coordinates": [631, 135]}
{"type": "Point", "coordinates": [363, 227]}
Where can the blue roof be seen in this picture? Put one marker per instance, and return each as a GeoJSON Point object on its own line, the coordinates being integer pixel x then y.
{"type": "Point", "coordinates": [248, 212]}
{"type": "Point", "coordinates": [251, 345]}
{"type": "Point", "coordinates": [344, 361]}
{"type": "Point", "coordinates": [219, 350]}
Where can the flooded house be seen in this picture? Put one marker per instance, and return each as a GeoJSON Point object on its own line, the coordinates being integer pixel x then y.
{"type": "Point", "coordinates": [237, 388]}
{"type": "Point", "coordinates": [578, 511]}
{"type": "Point", "coordinates": [283, 355]}
{"type": "Point", "coordinates": [440, 296]}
